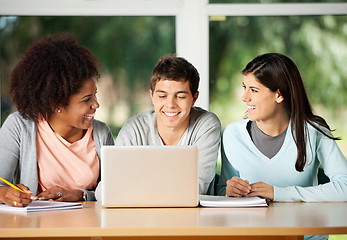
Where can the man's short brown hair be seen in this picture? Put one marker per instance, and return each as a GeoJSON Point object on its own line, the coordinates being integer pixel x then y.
{"type": "Point", "coordinates": [175, 69]}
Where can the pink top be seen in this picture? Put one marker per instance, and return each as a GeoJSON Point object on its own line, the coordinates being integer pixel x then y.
{"type": "Point", "coordinates": [68, 165]}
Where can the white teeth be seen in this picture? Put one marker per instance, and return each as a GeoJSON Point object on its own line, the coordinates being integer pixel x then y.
{"type": "Point", "coordinates": [251, 107]}
{"type": "Point", "coordinates": [170, 114]}
{"type": "Point", "coordinates": [89, 115]}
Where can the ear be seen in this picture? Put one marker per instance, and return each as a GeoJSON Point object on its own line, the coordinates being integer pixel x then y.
{"type": "Point", "coordinates": [57, 110]}
{"type": "Point", "coordinates": [151, 94]}
{"type": "Point", "coordinates": [195, 97]}
{"type": "Point", "coordinates": [279, 97]}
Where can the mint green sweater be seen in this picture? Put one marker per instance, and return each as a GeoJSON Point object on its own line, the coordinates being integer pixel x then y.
{"type": "Point", "coordinates": [240, 157]}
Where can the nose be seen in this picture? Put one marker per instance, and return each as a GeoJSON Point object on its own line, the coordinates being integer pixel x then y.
{"type": "Point", "coordinates": [245, 96]}
{"type": "Point", "coordinates": [171, 102]}
{"type": "Point", "coordinates": [95, 103]}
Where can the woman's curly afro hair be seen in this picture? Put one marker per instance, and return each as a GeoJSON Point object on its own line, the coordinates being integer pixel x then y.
{"type": "Point", "coordinates": [50, 71]}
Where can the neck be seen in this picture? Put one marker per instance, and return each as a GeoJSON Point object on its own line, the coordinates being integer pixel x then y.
{"type": "Point", "coordinates": [70, 134]}
{"type": "Point", "coordinates": [274, 126]}
{"type": "Point", "coordinates": [170, 136]}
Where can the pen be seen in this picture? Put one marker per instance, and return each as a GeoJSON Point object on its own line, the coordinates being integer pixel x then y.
{"type": "Point", "coordinates": [11, 185]}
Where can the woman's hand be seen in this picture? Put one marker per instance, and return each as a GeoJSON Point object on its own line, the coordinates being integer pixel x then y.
{"type": "Point", "coordinates": [13, 197]}
{"type": "Point", "coordinates": [262, 189]}
{"type": "Point", "coordinates": [236, 187]}
{"type": "Point", "coordinates": [57, 193]}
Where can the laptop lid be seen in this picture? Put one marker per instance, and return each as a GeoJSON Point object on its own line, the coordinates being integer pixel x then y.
{"type": "Point", "coordinates": [149, 176]}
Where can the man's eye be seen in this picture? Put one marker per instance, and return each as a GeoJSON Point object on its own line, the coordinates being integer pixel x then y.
{"type": "Point", "coordinates": [162, 96]}
{"type": "Point", "coordinates": [181, 97]}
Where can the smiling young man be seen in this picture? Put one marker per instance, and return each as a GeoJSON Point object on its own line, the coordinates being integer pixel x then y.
{"type": "Point", "coordinates": [174, 119]}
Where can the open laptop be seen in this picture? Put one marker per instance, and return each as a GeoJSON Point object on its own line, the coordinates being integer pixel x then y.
{"type": "Point", "coordinates": [149, 176]}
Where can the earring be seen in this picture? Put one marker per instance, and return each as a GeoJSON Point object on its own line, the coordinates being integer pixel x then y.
{"type": "Point", "coordinates": [59, 111]}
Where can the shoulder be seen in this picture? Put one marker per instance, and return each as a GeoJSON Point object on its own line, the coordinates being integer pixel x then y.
{"type": "Point", "coordinates": [236, 127]}
{"type": "Point", "coordinates": [17, 129]}
{"type": "Point", "coordinates": [145, 119]}
{"type": "Point", "coordinates": [100, 126]}
{"type": "Point", "coordinates": [201, 116]}
{"type": "Point", "coordinates": [138, 130]}
{"type": "Point", "coordinates": [15, 120]}
{"type": "Point", "coordinates": [314, 132]}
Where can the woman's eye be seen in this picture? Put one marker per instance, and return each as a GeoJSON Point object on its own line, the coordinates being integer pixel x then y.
{"type": "Point", "coordinates": [86, 100]}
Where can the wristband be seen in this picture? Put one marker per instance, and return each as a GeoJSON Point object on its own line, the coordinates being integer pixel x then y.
{"type": "Point", "coordinates": [84, 194]}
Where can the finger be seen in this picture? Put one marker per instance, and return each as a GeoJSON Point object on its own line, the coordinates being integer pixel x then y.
{"type": "Point", "coordinates": [46, 195]}
{"type": "Point", "coordinates": [19, 203]}
{"type": "Point", "coordinates": [16, 199]}
{"type": "Point", "coordinates": [243, 183]}
{"type": "Point", "coordinates": [50, 194]}
{"type": "Point", "coordinates": [239, 186]}
{"type": "Point", "coordinates": [24, 188]}
{"type": "Point", "coordinates": [27, 190]}
{"type": "Point", "coordinates": [59, 196]}
{"type": "Point", "coordinates": [254, 194]}
{"type": "Point", "coordinates": [234, 191]}
{"type": "Point", "coordinates": [233, 194]}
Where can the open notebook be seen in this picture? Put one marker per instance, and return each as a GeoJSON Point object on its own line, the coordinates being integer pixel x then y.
{"type": "Point", "coordinates": [223, 201]}
{"type": "Point", "coordinates": [149, 176]}
{"type": "Point", "coordinates": [40, 205]}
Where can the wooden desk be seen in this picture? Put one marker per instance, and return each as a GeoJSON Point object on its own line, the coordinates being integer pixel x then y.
{"type": "Point", "coordinates": [278, 221]}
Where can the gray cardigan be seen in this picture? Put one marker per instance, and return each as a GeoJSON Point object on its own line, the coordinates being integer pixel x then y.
{"type": "Point", "coordinates": [18, 162]}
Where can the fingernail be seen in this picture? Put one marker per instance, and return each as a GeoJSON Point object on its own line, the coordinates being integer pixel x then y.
{"type": "Point", "coordinates": [33, 198]}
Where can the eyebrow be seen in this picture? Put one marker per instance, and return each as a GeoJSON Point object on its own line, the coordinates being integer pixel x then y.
{"type": "Point", "coordinates": [252, 87]}
{"type": "Point", "coordinates": [89, 95]}
{"type": "Point", "coordinates": [161, 91]}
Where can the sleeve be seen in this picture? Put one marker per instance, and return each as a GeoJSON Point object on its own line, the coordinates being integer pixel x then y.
{"type": "Point", "coordinates": [227, 170]}
{"type": "Point", "coordinates": [207, 142]}
{"type": "Point", "coordinates": [126, 135]}
{"type": "Point", "coordinates": [10, 139]}
{"type": "Point", "coordinates": [123, 139]}
{"type": "Point", "coordinates": [335, 167]}
{"type": "Point", "coordinates": [139, 130]}
{"type": "Point", "coordinates": [102, 137]}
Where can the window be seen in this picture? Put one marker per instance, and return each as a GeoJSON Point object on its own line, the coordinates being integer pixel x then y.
{"type": "Point", "coordinates": [315, 43]}
{"type": "Point", "coordinates": [127, 47]}
{"type": "Point", "coordinates": [192, 34]}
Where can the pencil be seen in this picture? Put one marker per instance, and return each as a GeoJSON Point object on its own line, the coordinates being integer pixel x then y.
{"type": "Point", "coordinates": [11, 185]}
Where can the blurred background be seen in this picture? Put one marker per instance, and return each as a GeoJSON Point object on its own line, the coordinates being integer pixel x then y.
{"type": "Point", "coordinates": [129, 47]}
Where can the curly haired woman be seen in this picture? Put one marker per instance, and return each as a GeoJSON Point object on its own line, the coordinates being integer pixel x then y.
{"type": "Point", "coordinates": [50, 148]}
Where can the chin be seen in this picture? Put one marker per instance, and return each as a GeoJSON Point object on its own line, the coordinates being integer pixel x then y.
{"type": "Point", "coordinates": [86, 125]}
